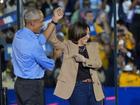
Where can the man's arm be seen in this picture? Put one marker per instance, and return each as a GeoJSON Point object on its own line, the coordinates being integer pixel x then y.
{"type": "Point", "coordinates": [57, 15]}
{"type": "Point", "coordinates": [50, 33]}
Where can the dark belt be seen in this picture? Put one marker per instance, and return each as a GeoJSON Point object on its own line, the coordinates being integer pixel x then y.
{"type": "Point", "coordinates": [19, 78]}
{"type": "Point", "coordinates": [87, 81]}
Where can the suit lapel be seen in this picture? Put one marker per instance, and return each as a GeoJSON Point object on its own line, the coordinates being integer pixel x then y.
{"type": "Point", "coordinates": [73, 49]}
{"type": "Point", "coordinates": [89, 50]}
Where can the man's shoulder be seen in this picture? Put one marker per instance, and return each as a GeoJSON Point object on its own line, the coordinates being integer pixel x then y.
{"type": "Point", "coordinates": [22, 32]}
{"type": "Point", "coordinates": [23, 38]}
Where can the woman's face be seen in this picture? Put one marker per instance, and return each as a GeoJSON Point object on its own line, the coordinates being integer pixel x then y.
{"type": "Point", "coordinates": [82, 41]}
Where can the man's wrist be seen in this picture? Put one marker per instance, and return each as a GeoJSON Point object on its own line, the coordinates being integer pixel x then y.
{"type": "Point", "coordinates": [53, 22]}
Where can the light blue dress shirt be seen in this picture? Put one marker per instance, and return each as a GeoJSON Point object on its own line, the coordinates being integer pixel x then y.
{"type": "Point", "coordinates": [28, 57]}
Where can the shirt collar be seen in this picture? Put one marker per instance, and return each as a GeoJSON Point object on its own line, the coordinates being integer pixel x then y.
{"type": "Point", "coordinates": [34, 35]}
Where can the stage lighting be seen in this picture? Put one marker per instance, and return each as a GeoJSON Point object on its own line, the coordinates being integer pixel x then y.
{"type": "Point", "coordinates": [1, 1]}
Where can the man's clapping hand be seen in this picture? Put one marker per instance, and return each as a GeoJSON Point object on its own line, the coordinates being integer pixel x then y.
{"type": "Point", "coordinates": [58, 14]}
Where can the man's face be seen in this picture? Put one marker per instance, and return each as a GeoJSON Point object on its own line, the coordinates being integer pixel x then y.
{"type": "Point", "coordinates": [38, 24]}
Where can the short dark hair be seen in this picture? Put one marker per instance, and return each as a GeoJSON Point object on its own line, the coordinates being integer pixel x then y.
{"type": "Point", "coordinates": [77, 31]}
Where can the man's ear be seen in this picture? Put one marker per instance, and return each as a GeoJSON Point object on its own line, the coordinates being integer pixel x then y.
{"type": "Point", "coordinates": [32, 23]}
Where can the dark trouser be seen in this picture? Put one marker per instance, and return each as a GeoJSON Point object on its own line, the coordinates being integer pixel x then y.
{"type": "Point", "coordinates": [29, 92]}
{"type": "Point", "coordinates": [83, 94]}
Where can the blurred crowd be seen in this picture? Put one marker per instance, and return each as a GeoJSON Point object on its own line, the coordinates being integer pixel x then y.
{"type": "Point", "coordinates": [99, 16]}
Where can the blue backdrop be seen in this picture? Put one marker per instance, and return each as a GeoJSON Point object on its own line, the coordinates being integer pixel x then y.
{"type": "Point", "coordinates": [8, 20]}
{"type": "Point", "coordinates": [126, 96]}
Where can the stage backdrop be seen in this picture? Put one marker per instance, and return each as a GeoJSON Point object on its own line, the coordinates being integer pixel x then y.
{"type": "Point", "coordinates": [126, 96]}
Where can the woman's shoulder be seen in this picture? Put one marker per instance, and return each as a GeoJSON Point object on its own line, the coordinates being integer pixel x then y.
{"type": "Point", "coordinates": [93, 43]}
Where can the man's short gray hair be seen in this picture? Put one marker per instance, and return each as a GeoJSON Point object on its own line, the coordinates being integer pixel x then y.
{"type": "Point", "coordinates": [32, 14]}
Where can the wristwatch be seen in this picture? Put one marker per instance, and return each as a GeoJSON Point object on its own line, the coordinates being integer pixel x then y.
{"type": "Point", "coordinates": [55, 23]}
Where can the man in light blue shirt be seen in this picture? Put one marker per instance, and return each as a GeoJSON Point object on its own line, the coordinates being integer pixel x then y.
{"type": "Point", "coordinates": [28, 56]}
{"type": "Point", "coordinates": [29, 59]}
